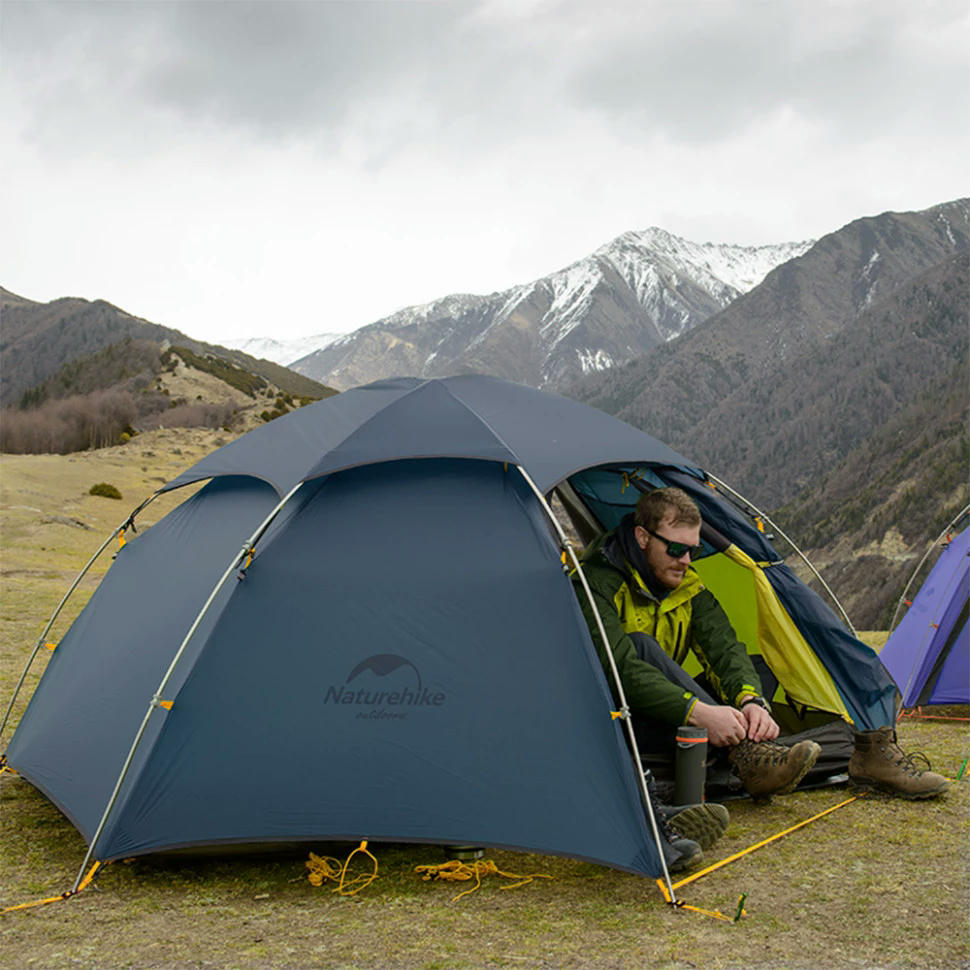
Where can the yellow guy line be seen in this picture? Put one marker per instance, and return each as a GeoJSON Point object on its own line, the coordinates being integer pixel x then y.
{"type": "Point", "coordinates": [56, 899]}
{"type": "Point", "coordinates": [768, 841]}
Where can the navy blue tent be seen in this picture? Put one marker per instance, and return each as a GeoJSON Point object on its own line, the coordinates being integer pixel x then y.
{"type": "Point", "coordinates": [360, 627]}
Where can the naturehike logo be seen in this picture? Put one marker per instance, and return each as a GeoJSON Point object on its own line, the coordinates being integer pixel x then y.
{"type": "Point", "coordinates": [387, 685]}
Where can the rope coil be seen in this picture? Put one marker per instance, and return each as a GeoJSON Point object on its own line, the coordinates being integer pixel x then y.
{"type": "Point", "coordinates": [327, 869]}
{"type": "Point", "coordinates": [456, 870]}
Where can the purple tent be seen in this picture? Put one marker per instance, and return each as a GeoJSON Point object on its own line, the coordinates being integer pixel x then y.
{"type": "Point", "coordinates": [928, 654]}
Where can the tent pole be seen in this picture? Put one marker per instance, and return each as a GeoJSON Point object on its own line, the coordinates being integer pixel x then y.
{"type": "Point", "coordinates": [919, 566]}
{"type": "Point", "coordinates": [801, 555]}
{"type": "Point", "coordinates": [567, 546]}
{"type": "Point", "coordinates": [156, 700]}
{"type": "Point", "coordinates": [42, 639]}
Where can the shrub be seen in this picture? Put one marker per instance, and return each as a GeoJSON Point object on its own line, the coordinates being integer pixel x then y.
{"type": "Point", "coordinates": [232, 375]}
{"type": "Point", "coordinates": [105, 489]}
{"type": "Point", "coordinates": [68, 424]}
{"type": "Point", "coordinates": [196, 415]}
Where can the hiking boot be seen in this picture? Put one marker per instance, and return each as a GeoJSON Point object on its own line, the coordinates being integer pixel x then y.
{"type": "Point", "coordinates": [679, 853]}
{"type": "Point", "coordinates": [682, 854]}
{"type": "Point", "coordinates": [703, 823]}
{"type": "Point", "coordinates": [766, 768]}
{"type": "Point", "coordinates": [878, 762]}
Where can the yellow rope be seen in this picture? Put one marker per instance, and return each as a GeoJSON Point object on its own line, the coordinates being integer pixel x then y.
{"type": "Point", "coordinates": [327, 869]}
{"type": "Point", "coordinates": [457, 871]}
{"type": "Point", "coordinates": [738, 855]}
{"type": "Point", "coordinates": [715, 913]}
{"type": "Point", "coordinates": [764, 842]}
{"type": "Point", "coordinates": [85, 882]}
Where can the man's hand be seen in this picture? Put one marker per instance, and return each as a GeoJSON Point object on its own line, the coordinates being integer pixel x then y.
{"type": "Point", "coordinates": [726, 726]}
{"type": "Point", "coordinates": [761, 726]}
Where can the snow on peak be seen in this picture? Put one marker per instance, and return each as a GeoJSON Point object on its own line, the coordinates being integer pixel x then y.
{"type": "Point", "coordinates": [283, 352]}
{"type": "Point", "coordinates": [452, 305]}
{"type": "Point", "coordinates": [656, 265]}
{"type": "Point", "coordinates": [739, 267]}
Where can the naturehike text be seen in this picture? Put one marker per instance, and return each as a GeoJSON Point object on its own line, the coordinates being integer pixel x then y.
{"type": "Point", "coordinates": [391, 698]}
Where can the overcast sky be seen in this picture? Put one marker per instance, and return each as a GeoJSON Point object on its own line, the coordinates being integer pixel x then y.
{"type": "Point", "coordinates": [294, 168]}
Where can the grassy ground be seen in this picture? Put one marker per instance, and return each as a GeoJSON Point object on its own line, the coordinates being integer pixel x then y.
{"type": "Point", "coordinates": [876, 883]}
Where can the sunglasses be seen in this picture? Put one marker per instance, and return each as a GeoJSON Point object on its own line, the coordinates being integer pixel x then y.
{"type": "Point", "coordinates": [675, 550]}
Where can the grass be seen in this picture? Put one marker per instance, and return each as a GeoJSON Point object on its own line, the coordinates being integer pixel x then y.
{"type": "Point", "coordinates": [878, 883]}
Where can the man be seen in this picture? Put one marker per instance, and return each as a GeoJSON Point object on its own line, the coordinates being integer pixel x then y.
{"type": "Point", "coordinates": [655, 611]}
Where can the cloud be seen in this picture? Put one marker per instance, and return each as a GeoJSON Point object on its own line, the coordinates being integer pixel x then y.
{"type": "Point", "coordinates": [311, 166]}
{"type": "Point", "coordinates": [702, 72]}
{"type": "Point", "coordinates": [371, 78]}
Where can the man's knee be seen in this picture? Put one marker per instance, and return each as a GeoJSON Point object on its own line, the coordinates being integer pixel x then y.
{"type": "Point", "coordinates": [652, 653]}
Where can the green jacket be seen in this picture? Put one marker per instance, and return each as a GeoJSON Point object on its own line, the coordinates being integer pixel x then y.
{"type": "Point", "coordinates": [688, 619]}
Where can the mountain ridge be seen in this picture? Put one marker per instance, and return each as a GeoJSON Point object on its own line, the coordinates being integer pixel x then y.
{"type": "Point", "coordinates": [635, 292]}
{"type": "Point", "coordinates": [38, 339]}
{"type": "Point", "coordinates": [801, 304]}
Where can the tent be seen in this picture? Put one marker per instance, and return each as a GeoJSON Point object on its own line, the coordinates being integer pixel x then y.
{"type": "Point", "coordinates": [928, 654]}
{"type": "Point", "coordinates": [360, 627]}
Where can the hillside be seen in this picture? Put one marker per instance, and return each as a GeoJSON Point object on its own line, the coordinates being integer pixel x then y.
{"type": "Point", "coordinates": [134, 386]}
{"type": "Point", "coordinates": [867, 518]}
{"type": "Point", "coordinates": [712, 374]}
{"type": "Point", "coordinates": [38, 339]}
{"type": "Point", "coordinates": [902, 354]}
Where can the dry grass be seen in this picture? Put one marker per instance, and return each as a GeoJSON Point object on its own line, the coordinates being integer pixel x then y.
{"type": "Point", "coordinates": [877, 883]}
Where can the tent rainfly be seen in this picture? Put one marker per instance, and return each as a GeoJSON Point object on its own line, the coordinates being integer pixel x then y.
{"type": "Point", "coordinates": [360, 627]}
{"type": "Point", "coordinates": [928, 654]}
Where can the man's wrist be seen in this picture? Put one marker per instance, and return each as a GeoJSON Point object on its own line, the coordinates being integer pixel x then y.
{"type": "Point", "coordinates": [755, 699]}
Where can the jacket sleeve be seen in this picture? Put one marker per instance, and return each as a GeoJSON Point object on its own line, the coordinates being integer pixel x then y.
{"type": "Point", "coordinates": [648, 692]}
{"type": "Point", "coordinates": [724, 658]}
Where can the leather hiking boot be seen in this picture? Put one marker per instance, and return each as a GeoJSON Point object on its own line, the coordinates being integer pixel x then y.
{"type": "Point", "coordinates": [879, 763]}
{"type": "Point", "coordinates": [703, 823]}
{"type": "Point", "coordinates": [766, 768]}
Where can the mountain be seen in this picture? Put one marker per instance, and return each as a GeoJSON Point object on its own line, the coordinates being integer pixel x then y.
{"type": "Point", "coordinates": [38, 339]}
{"type": "Point", "coordinates": [763, 348]}
{"type": "Point", "coordinates": [896, 474]}
{"type": "Point", "coordinates": [80, 374]}
{"type": "Point", "coordinates": [283, 352]}
{"type": "Point", "coordinates": [629, 296]}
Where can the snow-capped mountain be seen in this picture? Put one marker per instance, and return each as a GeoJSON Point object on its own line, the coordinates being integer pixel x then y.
{"type": "Point", "coordinates": [283, 352]}
{"type": "Point", "coordinates": [639, 290]}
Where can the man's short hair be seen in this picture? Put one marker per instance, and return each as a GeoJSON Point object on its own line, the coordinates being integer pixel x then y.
{"type": "Point", "coordinates": [653, 507]}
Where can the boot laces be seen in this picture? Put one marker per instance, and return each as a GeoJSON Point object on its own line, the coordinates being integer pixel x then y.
{"type": "Point", "coordinates": [908, 761]}
{"type": "Point", "coordinates": [768, 751]}
{"type": "Point", "coordinates": [666, 829]}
